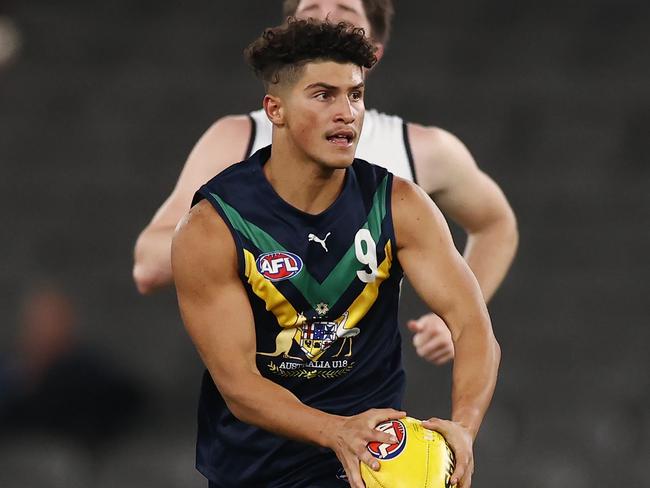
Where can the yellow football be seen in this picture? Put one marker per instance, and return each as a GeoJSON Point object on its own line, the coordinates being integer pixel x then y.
{"type": "Point", "coordinates": [420, 458]}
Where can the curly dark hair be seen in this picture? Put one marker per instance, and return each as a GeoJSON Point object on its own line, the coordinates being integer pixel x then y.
{"type": "Point", "coordinates": [280, 52]}
{"type": "Point", "coordinates": [379, 13]}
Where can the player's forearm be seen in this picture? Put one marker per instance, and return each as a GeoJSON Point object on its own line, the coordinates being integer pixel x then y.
{"type": "Point", "coordinates": [152, 268]}
{"type": "Point", "coordinates": [476, 363]}
{"type": "Point", "coordinates": [489, 253]}
{"type": "Point", "coordinates": [257, 401]}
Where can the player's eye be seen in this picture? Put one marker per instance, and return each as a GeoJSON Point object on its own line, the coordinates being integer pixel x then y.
{"type": "Point", "coordinates": [322, 96]}
{"type": "Point", "coordinates": [356, 96]}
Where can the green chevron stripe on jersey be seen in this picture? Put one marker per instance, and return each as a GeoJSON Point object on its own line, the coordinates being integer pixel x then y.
{"type": "Point", "coordinates": [339, 279]}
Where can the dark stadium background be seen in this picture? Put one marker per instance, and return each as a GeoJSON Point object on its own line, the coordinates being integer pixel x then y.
{"type": "Point", "coordinates": [101, 107]}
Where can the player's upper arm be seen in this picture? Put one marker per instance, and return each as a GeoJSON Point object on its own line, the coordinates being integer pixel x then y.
{"type": "Point", "coordinates": [222, 145]}
{"type": "Point", "coordinates": [447, 171]}
{"type": "Point", "coordinates": [429, 258]}
{"type": "Point", "coordinates": [212, 300]}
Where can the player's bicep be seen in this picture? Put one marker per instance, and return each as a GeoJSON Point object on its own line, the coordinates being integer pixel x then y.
{"type": "Point", "coordinates": [474, 201]}
{"type": "Point", "coordinates": [447, 171]}
{"type": "Point", "coordinates": [212, 300]}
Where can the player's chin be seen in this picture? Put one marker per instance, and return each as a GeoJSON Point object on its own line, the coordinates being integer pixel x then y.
{"type": "Point", "coordinates": [340, 156]}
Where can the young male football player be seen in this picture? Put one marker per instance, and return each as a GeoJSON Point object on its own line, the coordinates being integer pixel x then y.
{"type": "Point", "coordinates": [288, 270]}
{"type": "Point", "coordinates": [431, 156]}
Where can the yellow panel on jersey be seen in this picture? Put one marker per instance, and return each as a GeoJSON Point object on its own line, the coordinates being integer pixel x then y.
{"type": "Point", "coordinates": [276, 303]}
{"type": "Point", "coordinates": [367, 298]}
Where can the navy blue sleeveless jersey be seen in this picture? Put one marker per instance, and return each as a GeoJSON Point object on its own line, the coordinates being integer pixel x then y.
{"type": "Point", "coordinates": [324, 291]}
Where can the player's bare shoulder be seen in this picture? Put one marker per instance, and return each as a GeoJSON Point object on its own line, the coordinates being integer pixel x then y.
{"type": "Point", "coordinates": [412, 209]}
{"type": "Point", "coordinates": [439, 156]}
{"type": "Point", "coordinates": [202, 241]}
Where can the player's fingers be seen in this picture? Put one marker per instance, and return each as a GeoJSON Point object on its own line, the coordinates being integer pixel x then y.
{"type": "Point", "coordinates": [430, 348]}
{"type": "Point", "coordinates": [379, 415]}
{"type": "Point", "coordinates": [467, 482]}
{"type": "Point", "coordinates": [435, 424]}
{"type": "Point", "coordinates": [462, 471]}
{"type": "Point", "coordinates": [418, 340]}
{"type": "Point", "coordinates": [369, 460]}
{"type": "Point", "coordinates": [457, 476]}
{"type": "Point", "coordinates": [354, 474]}
{"type": "Point", "coordinates": [441, 357]}
{"type": "Point", "coordinates": [383, 437]}
{"type": "Point", "coordinates": [414, 326]}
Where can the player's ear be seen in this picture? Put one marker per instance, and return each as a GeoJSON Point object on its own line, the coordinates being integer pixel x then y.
{"type": "Point", "coordinates": [380, 50]}
{"type": "Point", "coordinates": [274, 109]}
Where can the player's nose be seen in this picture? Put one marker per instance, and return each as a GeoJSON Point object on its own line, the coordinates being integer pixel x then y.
{"type": "Point", "coordinates": [345, 112]}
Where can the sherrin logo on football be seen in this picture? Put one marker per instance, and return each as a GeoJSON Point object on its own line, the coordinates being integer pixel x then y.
{"type": "Point", "coordinates": [421, 458]}
{"type": "Point", "coordinates": [279, 265]}
{"type": "Point", "coordinates": [385, 451]}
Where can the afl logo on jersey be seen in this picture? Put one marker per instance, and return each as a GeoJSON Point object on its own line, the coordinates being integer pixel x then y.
{"type": "Point", "coordinates": [389, 451]}
{"type": "Point", "coordinates": [279, 265]}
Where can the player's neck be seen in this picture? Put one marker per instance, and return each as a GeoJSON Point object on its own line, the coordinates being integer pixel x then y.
{"type": "Point", "coordinates": [300, 181]}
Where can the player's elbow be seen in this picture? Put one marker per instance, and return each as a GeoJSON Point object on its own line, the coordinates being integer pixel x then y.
{"type": "Point", "coordinates": [493, 354]}
{"type": "Point", "coordinates": [511, 231]}
{"type": "Point", "coordinates": [151, 265]}
{"type": "Point", "coordinates": [238, 400]}
{"type": "Point", "coordinates": [504, 224]}
{"type": "Point", "coordinates": [147, 280]}
{"type": "Point", "coordinates": [497, 351]}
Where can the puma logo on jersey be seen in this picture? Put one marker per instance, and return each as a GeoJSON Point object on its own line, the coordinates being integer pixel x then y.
{"type": "Point", "coordinates": [315, 238]}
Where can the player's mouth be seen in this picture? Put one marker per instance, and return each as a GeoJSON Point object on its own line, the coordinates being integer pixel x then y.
{"type": "Point", "coordinates": [342, 137]}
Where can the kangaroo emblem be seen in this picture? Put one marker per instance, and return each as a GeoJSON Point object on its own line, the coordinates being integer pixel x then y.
{"type": "Point", "coordinates": [344, 333]}
{"type": "Point", "coordinates": [284, 341]}
{"type": "Point", "coordinates": [315, 238]}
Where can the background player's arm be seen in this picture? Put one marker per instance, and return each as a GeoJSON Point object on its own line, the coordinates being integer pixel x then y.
{"type": "Point", "coordinates": [444, 281]}
{"type": "Point", "coordinates": [447, 171]}
{"type": "Point", "coordinates": [218, 317]}
{"type": "Point", "coordinates": [223, 144]}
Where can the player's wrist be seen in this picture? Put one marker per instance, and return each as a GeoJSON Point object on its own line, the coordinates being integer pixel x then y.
{"type": "Point", "coordinates": [468, 419]}
{"type": "Point", "coordinates": [330, 432]}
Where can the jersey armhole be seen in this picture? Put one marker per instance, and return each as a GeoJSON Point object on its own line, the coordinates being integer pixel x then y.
{"type": "Point", "coordinates": [251, 139]}
{"type": "Point", "coordinates": [409, 153]}
{"type": "Point", "coordinates": [391, 227]}
{"type": "Point", "coordinates": [204, 193]}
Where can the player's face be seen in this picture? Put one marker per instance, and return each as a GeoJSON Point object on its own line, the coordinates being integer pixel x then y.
{"type": "Point", "coordinates": [351, 11]}
{"type": "Point", "coordinates": [324, 112]}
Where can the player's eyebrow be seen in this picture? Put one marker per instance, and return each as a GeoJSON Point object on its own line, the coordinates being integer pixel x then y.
{"type": "Point", "coordinates": [327, 86]}
{"type": "Point", "coordinates": [320, 84]}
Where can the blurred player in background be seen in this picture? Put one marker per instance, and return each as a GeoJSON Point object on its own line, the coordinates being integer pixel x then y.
{"type": "Point", "coordinates": [301, 339]}
{"type": "Point", "coordinates": [430, 156]}
{"type": "Point", "coordinates": [52, 381]}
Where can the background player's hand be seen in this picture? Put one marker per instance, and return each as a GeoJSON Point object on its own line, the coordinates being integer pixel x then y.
{"type": "Point", "coordinates": [432, 339]}
{"type": "Point", "coordinates": [460, 440]}
{"type": "Point", "coordinates": [351, 435]}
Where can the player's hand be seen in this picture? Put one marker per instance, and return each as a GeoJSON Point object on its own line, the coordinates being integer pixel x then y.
{"type": "Point", "coordinates": [460, 440]}
{"type": "Point", "coordinates": [432, 339]}
{"type": "Point", "coordinates": [351, 435]}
